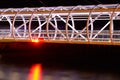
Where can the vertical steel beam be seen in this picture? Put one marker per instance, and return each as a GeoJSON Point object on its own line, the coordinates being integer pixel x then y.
{"type": "Point", "coordinates": [30, 21]}
{"type": "Point", "coordinates": [111, 22]}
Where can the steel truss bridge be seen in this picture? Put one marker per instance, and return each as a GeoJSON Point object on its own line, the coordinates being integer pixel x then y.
{"type": "Point", "coordinates": [88, 24]}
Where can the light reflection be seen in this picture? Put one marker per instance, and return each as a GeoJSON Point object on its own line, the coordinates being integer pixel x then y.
{"type": "Point", "coordinates": [14, 76]}
{"type": "Point", "coordinates": [2, 75]}
{"type": "Point", "coordinates": [48, 77]}
{"type": "Point", "coordinates": [35, 72]}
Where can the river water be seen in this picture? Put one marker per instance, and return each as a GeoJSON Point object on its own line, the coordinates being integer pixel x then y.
{"type": "Point", "coordinates": [60, 61]}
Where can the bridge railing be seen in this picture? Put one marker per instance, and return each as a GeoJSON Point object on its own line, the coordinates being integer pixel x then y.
{"type": "Point", "coordinates": [104, 36]}
{"type": "Point", "coordinates": [82, 23]}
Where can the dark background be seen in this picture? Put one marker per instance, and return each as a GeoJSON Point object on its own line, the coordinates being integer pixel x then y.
{"type": "Point", "coordinates": [85, 57]}
{"type": "Point", "coordinates": [39, 3]}
{"type": "Point", "coordinates": [95, 58]}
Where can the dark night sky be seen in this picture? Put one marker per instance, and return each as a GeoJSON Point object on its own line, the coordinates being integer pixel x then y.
{"type": "Point", "coordinates": [39, 3]}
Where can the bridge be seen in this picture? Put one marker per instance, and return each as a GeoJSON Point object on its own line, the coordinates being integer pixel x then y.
{"type": "Point", "coordinates": [82, 24]}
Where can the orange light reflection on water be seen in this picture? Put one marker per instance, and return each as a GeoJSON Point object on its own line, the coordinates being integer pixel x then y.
{"type": "Point", "coordinates": [35, 72]}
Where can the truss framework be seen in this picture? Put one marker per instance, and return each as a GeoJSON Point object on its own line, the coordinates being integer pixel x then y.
{"type": "Point", "coordinates": [72, 24]}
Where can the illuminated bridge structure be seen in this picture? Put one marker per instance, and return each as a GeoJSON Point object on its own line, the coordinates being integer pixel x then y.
{"type": "Point", "coordinates": [82, 24]}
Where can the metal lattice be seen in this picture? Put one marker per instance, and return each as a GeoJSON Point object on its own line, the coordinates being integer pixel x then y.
{"type": "Point", "coordinates": [71, 24]}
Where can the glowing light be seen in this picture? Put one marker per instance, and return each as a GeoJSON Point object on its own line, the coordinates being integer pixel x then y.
{"type": "Point", "coordinates": [38, 40]}
{"type": "Point", "coordinates": [41, 39]}
{"type": "Point", "coordinates": [35, 72]}
{"type": "Point", "coordinates": [35, 40]}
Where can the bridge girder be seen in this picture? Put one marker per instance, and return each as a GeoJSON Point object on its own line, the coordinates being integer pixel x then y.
{"type": "Point", "coordinates": [91, 24]}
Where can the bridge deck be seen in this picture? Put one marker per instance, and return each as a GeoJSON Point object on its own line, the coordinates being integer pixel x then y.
{"type": "Point", "coordinates": [89, 24]}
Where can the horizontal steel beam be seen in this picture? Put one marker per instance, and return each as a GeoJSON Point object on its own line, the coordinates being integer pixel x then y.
{"type": "Point", "coordinates": [71, 24]}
